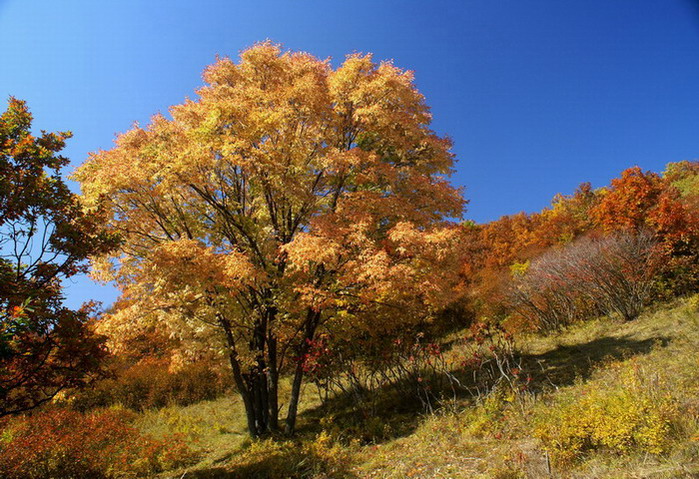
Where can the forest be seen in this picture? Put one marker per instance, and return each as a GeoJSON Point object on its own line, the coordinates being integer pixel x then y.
{"type": "Point", "coordinates": [301, 296]}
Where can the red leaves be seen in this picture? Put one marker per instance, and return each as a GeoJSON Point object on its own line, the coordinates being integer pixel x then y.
{"type": "Point", "coordinates": [626, 203]}
{"type": "Point", "coordinates": [665, 206]}
{"type": "Point", "coordinates": [44, 347]}
{"type": "Point", "coordinates": [318, 357]}
{"type": "Point", "coordinates": [64, 443]}
{"type": "Point", "coordinates": [644, 200]}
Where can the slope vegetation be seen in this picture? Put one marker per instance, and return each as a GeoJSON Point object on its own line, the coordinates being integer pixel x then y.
{"type": "Point", "coordinates": [606, 399]}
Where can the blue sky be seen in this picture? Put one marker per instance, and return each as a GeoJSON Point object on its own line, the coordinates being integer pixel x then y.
{"type": "Point", "coordinates": [538, 95]}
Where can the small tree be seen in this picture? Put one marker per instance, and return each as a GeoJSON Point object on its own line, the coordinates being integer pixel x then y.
{"type": "Point", "coordinates": [289, 199]}
{"type": "Point", "coordinates": [45, 238]}
{"type": "Point", "coordinates": [546, 293]}
{"type": "Point", "coordinates": [617, 271]}
{"type": "Point", "coordinates": [611, 273]}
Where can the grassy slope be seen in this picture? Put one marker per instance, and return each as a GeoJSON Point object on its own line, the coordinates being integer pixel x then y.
{"type": "Point", "coordinates": [494, 438]}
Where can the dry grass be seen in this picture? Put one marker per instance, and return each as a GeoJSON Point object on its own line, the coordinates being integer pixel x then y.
{"type": "Point", "coordinates": [488, 438]}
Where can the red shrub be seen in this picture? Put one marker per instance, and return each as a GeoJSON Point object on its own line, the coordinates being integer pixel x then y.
{"type": "Point", "coordinates": [71, 445]}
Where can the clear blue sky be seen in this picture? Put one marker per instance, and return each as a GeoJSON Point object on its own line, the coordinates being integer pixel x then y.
{"type": "Point", "coordinates": [537, 95]}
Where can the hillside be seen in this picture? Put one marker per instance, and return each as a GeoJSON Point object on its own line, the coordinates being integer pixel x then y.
{"type": "Point", "coordinates": [302, 297]}
{"type": "Point", "coordinates": [642, 379]}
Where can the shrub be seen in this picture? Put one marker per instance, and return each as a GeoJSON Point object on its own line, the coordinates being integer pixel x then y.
{"type": "Point", "coordinates": [409, 366]}
{"type": "Point", "coordinates": [149, 385]}
{"type": "Point", "coordinates": [60, 443]}
{"type": "Point", "coordinates": [610, 274]}
{"type": "Point", "coordinates": [410, 373]}
{"type": "Point", "coordinates": [490, 361]}
{"type": "Point", "coordinates": [633, 415]}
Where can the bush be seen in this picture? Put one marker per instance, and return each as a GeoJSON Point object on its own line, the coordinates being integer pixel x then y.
{"type": "Point", "coordinates": [59, 443]}
{"type": "Point", "coordinates": [151, 385]}
{"type": "Point", "coordinates": [609, 274]}
{"type": "Point", "coordinates": [409, 366]}
{"type": "Point", "coordinates": [633, 415]}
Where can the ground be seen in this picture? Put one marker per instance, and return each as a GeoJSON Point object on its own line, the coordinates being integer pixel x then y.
{"type": "Point", "coordinates": [651, 361]}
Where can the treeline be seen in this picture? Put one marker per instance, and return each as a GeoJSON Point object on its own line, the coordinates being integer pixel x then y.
{"type": "Point", "coordinates": [596, 251]}
{"type": "Point", "coordinates": [606, 251]}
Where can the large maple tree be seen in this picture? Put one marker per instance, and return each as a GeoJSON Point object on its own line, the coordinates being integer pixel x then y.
{"type": "Point", "coordinates": [290, 198]}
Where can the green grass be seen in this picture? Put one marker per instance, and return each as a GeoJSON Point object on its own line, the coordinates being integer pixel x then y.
{"type": "Point", "coordinates": [492, 437]}
{"type": "Point", "coordinates": [217, 428]}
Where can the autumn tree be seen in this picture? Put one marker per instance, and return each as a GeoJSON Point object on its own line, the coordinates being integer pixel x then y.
{"type": "Point", "coordinates": [634, 203]}
{"type": "Point", "coordinates": [568, 218]}
{"type": "Point", "coordinates": [515, 239]}
{"type": "Point", "coordinates": [644, 200]}
{"type": "Point", "coordinates": [683, 175]}
{"type": "Point", "coordinates": [45, 238]}
{"type": "Point", "coordinates": [609, 274]}
{"type": "Point", "coordinates": [289, 198]}
{"type": "Point", "coordinates": [641, 200]}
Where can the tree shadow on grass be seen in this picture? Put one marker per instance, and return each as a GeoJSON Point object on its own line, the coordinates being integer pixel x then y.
{"type": "Point", "coordinates": [395, 415]}
{"type": "Point", "coordinates": [563, 365]}
{"type": "Point", "coordinates": [290, 462]}
{"type": "Point", "coordinates": [390, 412]}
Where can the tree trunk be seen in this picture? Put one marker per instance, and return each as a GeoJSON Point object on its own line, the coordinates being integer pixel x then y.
{"type": "Point", "coordinates": [294, 400]}
{"type": "Point", "coordinates": [258, 388]}
{"type": "Point", "coordinates": [238, 378]}
{"type": "Point", "coordinates": [312, 319]}
{"type": "Point", "coordinates": [273, 382]}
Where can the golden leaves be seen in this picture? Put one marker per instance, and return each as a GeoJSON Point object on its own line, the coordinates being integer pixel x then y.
{"type": "Point", "coordinates": [287, 183]}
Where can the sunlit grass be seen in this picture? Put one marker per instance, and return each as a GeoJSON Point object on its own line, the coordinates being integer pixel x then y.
{"type": "Point", "coordinates": [490, 437]}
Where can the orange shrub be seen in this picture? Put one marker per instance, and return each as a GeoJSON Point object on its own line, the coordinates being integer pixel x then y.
{"type": "Point", "coordinates": [67, 444]}
{"type": "Point", "coordinates": [150, 384]}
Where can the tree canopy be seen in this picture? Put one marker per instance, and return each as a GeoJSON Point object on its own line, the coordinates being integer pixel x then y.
{"type": "Point", "coordinates": [45, 238]}
{"type": "Point", "coordinates": [289, 198]}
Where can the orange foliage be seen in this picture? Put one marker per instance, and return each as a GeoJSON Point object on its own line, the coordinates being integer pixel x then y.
{"type": "Point", "coordinates": [626, 204]}
{"type": "Point", "coordinates": [63, 443]}
{"type": "Point", "coordinates": [151, 384]}
{"type": "Point", "coordinates": [635, 202]}
{"type": "Point", "coordinates": [639, 200]}
{"type": "Point", "coordinates": [289, 197]}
